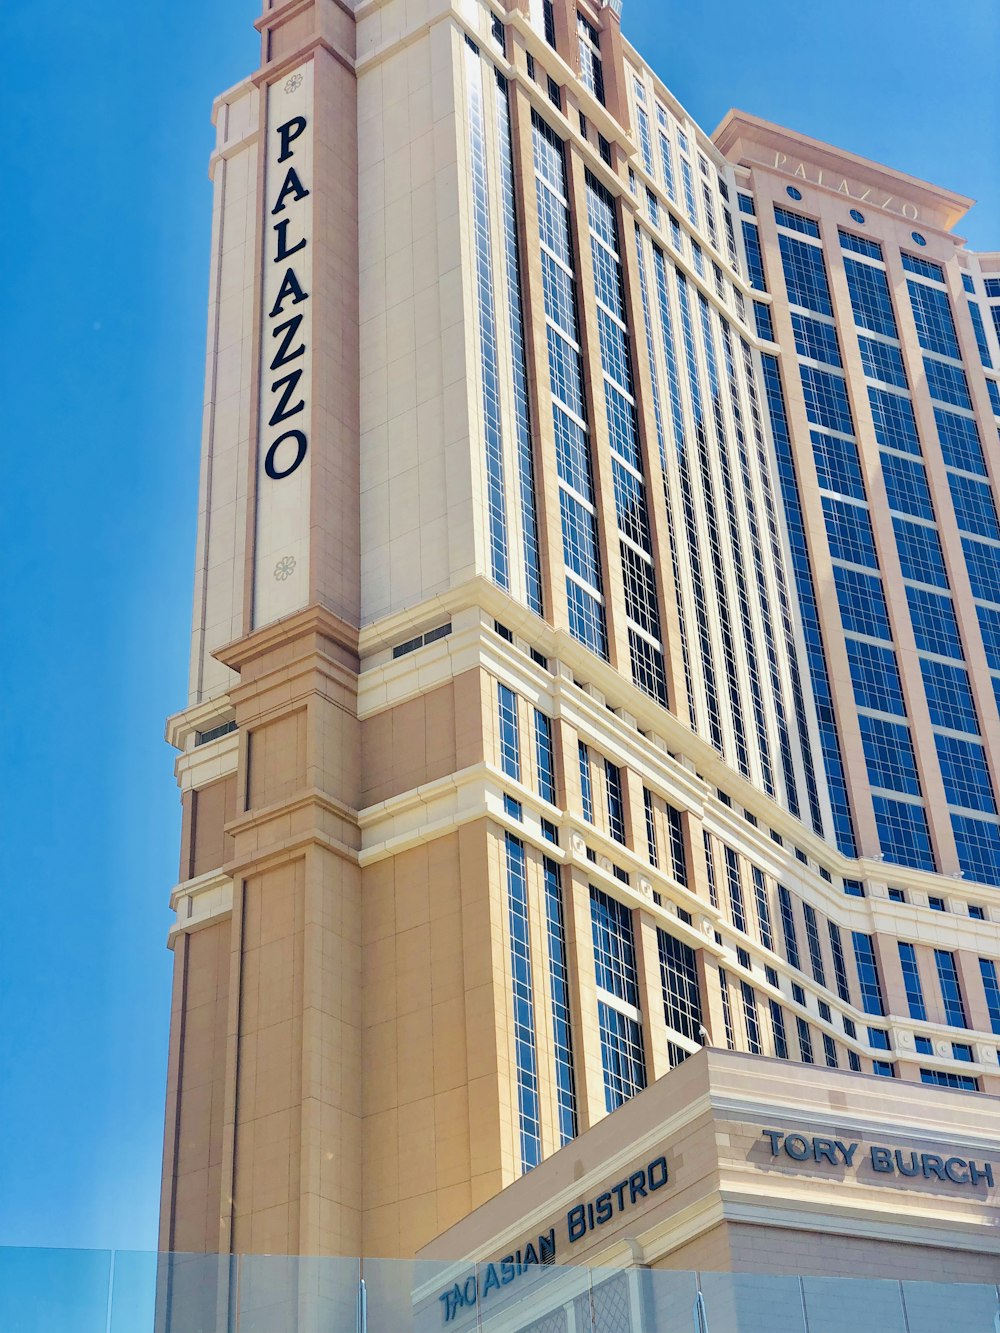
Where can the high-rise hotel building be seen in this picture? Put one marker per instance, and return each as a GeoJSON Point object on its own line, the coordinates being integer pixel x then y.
{"type": "Point", "coordinates": [596, 652]}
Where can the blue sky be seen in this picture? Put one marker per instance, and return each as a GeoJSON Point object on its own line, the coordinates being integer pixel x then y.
{"type": "Point", "coordinates": [106, 140]}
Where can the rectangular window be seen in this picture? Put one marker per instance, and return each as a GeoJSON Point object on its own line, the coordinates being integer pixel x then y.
{"type": "Point", "coordinates": [616, 805]}
{"type": "Point", "coordinates": [616, 975]}
{"type": "Point", "coordinates": [647, 801]}
{"type": "Point", "coordinates": [751, 1019]}
{"type": "Point", "coordinates": [954, 1005]}
{"type": "Point", "coordinates": [805, 1041]}
{"type": "Point", "coordinates": [988, 971]}
{"type": "Point", "coordinates": [839, 963]}
{"type": "Point", "coordinates": [911, 981]}
{"type": "Point", "coordinates": [830, 1051]}
{"type": "Point", "coordinates": [868, 978]}
{"type": "Point", "coordinates": [586, 790]}
{"type": "Point", "coordinates": [778, 1030]}
{"type": "Point", "coordinates": [727, 1010]}
{"type": "Point", "coordinates": [562, 1036]}
{"type": "Point", "coordinates": [884, 1068]}
{"type": "Point", "coordinates": [943, 1079]}
{"type": "Point", "coordinates": [678, 853]}
{"type": "Point", "coordinates": [524, 1020]}
{"type": "Point", "coordinates": [545, 757]}
{"type": "Point", "coordinates": [735, 886]}
{"type": "Point", "coordinates": [788, 926]}
{"type": "Point", "coordinates": [681, 996]}
{"type": "Point", "coordinates": [510, 749]}
{"type": "Point", "coordinates": [812, 940]}
{"type": "Point", "coordinates": [763, 907]}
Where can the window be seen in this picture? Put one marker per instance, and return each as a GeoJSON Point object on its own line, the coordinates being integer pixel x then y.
{"type": "Point", "coordinates": [812, 940]}
{"type": "Point", "coordinates": [798, 994]}
{"type": "Point", "coordinates": [805, 1041]}
{"type": "Point", "coordinates": [778, 1030]}
{"type": "Point", "coordinates": [591, 70]}
{"type": "Point", "coordinates": [976, 912]}
{"type": "Point", "coordinates": [751, 1018]}
{"type": "Point", "coordinates": [586, 790]}
{"type": "Point", "coordinates": [944, 1079]}
{"type": "Point", "coordinates": [854, 1060]}
{"type": "Point", "coordinates": [512, 807]}
{"type": "Point", "coordinates": [763, 907]}
{"type": "Point", "coordinates": [559, 995]}
{"type": "Point", "coordinates": [897, 895]}
{"type": "Point", "coordinates": [911, 981]}
{"type": "Point", "coordinates": [788, 926]}
{"type": "Point", "coordinates": [830, 1051]}
{"type": "Point", "coordinates": [868, 978]}
{"type": "Point", "coordinates": [616, 805]}
{"type": "Point", "coordinates": [545, 757]}
{"type": "Point", "coordinates": [681, 996]}
{"type": "Point", "coordinates": [618, 1018]}
{"type": "Point", "coordinates": [884, 1068]}
{"type": "Point", "coordinates": [991, 986]}
{"type": "Point", "coordinates": [839, 964]}
{"type": "Point", "coordinates": [954, 1006]}
{"type": "Point", "coordinates": [727, 1010]}
{"type": "Point", "coordinates": [936, 904]}
{"type": "Point", "coordinates": [903, 833]}
{"type": "Point", "coordinates": [924, 1045]}
{"type": "Point", "coordinates": [735, 886]}
{"type": "Point", "coordinates": [678, 854]}
{"type": "Point", "coordinates": [524, 1021]}
{"type": "Point", "coordinates": [647, 802]}
{"type": "Point", "coordinates": [510, 754]}
{"type": "Point", "coordinates": [878, 1039]}
{"type": "Point", "coordinates": [854, 888]}
{"type": "Point", "coordinates": [870, 300]}
{"type": "Point", "coordinates": [960, 1050]}
{"type": "Point", "coordinates": [925, 268]}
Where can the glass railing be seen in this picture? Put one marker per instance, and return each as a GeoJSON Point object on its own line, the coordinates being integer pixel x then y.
{"type": "Point", "coordinates": [103, 1291]}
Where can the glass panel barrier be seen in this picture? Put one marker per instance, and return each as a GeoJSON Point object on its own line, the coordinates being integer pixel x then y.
{"type": "Point", "coordinates": [99, 1291]}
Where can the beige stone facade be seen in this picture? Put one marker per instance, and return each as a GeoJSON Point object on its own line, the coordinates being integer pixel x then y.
{"type": "Point", "coordinates": [413, 793]}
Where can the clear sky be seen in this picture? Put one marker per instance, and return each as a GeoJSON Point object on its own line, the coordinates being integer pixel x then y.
{"type": "Point", "coordinates": [106, 137]}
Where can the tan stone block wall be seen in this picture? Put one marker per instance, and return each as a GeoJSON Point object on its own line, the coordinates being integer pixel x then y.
{"type": "Point", "coordinates": [212, 807]}
{"type": "Point", "coordinates": [196, 1091]}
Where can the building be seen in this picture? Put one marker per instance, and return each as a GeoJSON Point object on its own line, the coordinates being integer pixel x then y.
{"type": "Point", "coordinates": [596, 657]}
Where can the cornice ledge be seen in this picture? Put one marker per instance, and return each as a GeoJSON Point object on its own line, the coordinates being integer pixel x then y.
{"type": "Point", "coordinates": [313, 619]}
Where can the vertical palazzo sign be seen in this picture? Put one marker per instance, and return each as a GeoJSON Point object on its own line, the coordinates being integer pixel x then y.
{"type": "Point", "coordinates": [281, 548]}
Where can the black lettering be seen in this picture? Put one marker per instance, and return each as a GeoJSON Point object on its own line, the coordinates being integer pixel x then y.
{"type": "Point", "coordinates": [775, 1136]}
{"type": "Point", "coordinates": [932, 1165]}
{"type": "Point", "coordinates": [590, 1216]}
{"type": "Point", "coordinates": [911, 1169]}
{"type": "Point", "coordinates": [290, 382]}
{"type": "Point", "coordinates": [881, 1159]}
{"type": "Point", "coordinates": [547, 1246]}
{"type": "Point", "coordinates": [270, 459]}
{"type": "Point", "coordinates": [953, 1164]}
{"type": "Point", "coordinates": [847, 1151]}
{"type": "Point", "coordinates": [619, 1189]}
{"type": "Point", "coordinates": [797, 1147]}
{"type": "Point", "coordinates": [576, 1222]}
{"type": "Point", "coordinates": [290, 287]}
{"type": "Point", "coordinates": [602, 1209]}
{"type": "Point", "coordinates": [287, 331]}
{"type": "Point", "coordinates": [288, 133]}
{"type": "Point", "coordinates": [284, 249]}
{"type": "Point", "coordinates": [660, 1168]}
{"type": "Point", "coordinates": [823, 1150]}
{"type": "Point", "coordinates": [637, 1186]}
{"type": "Point", "coordinates": [977, 1173]}
{"type": "Point", "coordinates": [290, 186]}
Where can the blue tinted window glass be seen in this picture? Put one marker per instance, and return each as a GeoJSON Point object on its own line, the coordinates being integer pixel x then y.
{"type": "Point", "coordinates": [679, 978]}
{"type": "Point", "coordinates": [868, 977]}
{"type": "Point", "coordinates": [882, 361]}
{"type": "Point", "coordinates": [870, 297]}
{"type": "Point", "coordinates": [959, 439]}
{"type": "Point", "coordinates": [524, 1019]}
{"type": "Point", "coordinates": [947, 383]}
{"type": "Point", "coordinates": [826, 400]}
{"type": "Point", "coordinates": [510, 756]}
{"type": "Point", "coordinates": [746, 204]}
{"type": "Point", "coordinates": [925, 267]}
{"type": "Point", "coordinates": [889, 752]}
{"type": "Point", "coordinates": [849, 532]}
{"type": "Point", "coordinates": [974, 506]}
{"type": "Point", "coordinates": [906, 485]}
{"type": "Point", "coordinates": [837, 465]}
{"type": "Point", "coordinates": [988, 971]}
{"type": "Point", "coordinates": [919, 552]}
{"type": "Point", "coordinates": [861, 245]}
{"type": "Point", "coordinates": [875, 677]}
{"type": "Point", "coordinates": [862, 603]}
{"type": "Point", "coordinates": [902, 832]}
{"type": "Point", "coordinates": [949, 697]}
{"type": "Point", "coordinates": [934, 625]}
{"type": "Point", "coordinates": [979, 328]}
{"type": "Point", "coordinates": [755, 260]}
{"type": "Point", "coordinates": [933, 319]}
{"type": "Point", "coordinates": [989, 626]}
{"type": "Point", "coordinates": [983, 565]}
{"type": "Point", "coordinates": [622, 1056]}
{"type": "Point", "coordinates": [762, 316]}
{"type": "Point", "coordinates": [805, 274]}
{"type": "Point", "coordinates": [951, 993]}
{"type": "Point", "coordinates": [964, 772]}
{"type": "Point", "coordinates": [815, 339]}
{"type": "Point", "coordinates": [911, 981]}
{"type": "Point", "coordinates": [795, 221]}
{"type": "Point", "coordinates": [614, 947]}
{"type": "Point", "coordinates": [893, 419]}
{"type": "Point", "coordinates": [978, 844]}
{"type": "Point", "coordinates": [559, 994]}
